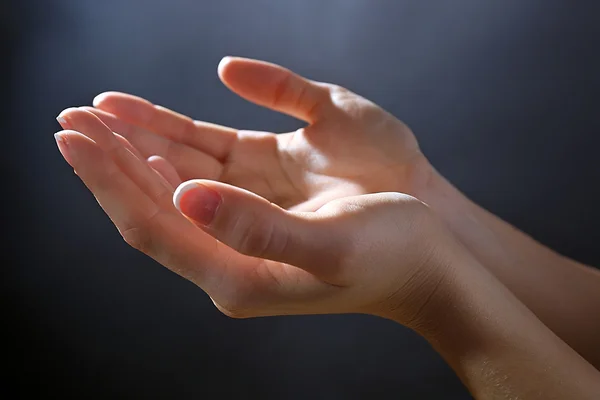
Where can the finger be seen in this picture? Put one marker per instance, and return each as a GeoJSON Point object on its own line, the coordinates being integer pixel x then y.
{"type": "Point", "coordinates": [189, 162]}
{"type": "Point", "coordinates": [166, 236]}
{"type": "Point", "coordinates": [212, 139]}
{"type": "Point", "coordinates": [135, 152]}
{"type": "Point", "coordinates": [244, 286]}
{"type": "Point", "coordinates": [165, 169]}
{"type": "Point", "coordinates": [275, 87]}
{"type": "Point", "coordinates": [106, 180]}
{"type": "Point", "coordinates": [128, 146]}
{"type": "Point", "coordinates": [136, 169]}
{"type": "Point", "coordinates": [253, 226]}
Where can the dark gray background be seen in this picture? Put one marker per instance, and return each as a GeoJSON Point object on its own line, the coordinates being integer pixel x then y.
{"type": "Point", "coordinates": [503, 96]}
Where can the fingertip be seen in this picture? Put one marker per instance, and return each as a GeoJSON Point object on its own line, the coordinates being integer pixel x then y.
{"type": "Point", "coordinates": [63, 117]}
{"type": "Point", "coordinates": [197, 201]}
{"type": "Point", "coordinates": [99, 99]}
{"type": "Point", "coordinates": [60, 137]}
{"type": "Point", "coordinates": [62, 122]}
{"type": "Point", "coordinates": [68, 113]}
{"type": "Point", "coordinates": [165, 169]}
{"type": "Point", "coordinates": [228, 62]}
{"type": "Point", "coordinates": [63, 147]}
{"type": "Point", "coordinates": [65, 112]}
{"type": "Point", "coordinates": [154, 158]}
{"type": "Point", "coordinates": [102, 97]}
{"type": "Point", "coordinates": [182, 189]}
{"type": "Point", "coordinates": [223, 64]}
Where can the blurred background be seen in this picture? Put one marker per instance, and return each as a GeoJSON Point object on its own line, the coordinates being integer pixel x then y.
{"type": "Point", "coordinates": [503, 96]}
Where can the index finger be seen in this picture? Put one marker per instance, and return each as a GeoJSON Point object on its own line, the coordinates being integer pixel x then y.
{"type": "Point", "coordinates": [276, 87]}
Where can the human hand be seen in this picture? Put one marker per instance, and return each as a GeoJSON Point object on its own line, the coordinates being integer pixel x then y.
{"type": "Point", "coordinates": [349, 147]}
{"type": "Point", "coordinates": [384, 254]}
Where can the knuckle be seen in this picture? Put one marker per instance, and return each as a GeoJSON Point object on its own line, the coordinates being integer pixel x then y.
{"type": "Point", "coordinates": [253, 235]}
{"type": "Point", "coordinates": [257, 241]}
{"type": "Point", "coordinates": [340, 93]}
{"type": "Point", "coordinates": [281, 90]}
{"type": "Point", "coordinates": [337, 89]}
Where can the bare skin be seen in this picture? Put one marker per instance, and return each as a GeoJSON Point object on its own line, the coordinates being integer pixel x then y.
{"type": "Point", "coordinates": [351, 146]}
{"type": "Point", "coordinates": [313, 221]}
{"type": "Point", "coordinates": [297, 170]}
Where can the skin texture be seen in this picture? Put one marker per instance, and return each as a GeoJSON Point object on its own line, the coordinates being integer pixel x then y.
{"type": "Point", "coordinates": [268, 261]}
{"type": "Point", "coordinates": [499, 348]}
{"type": "Point", "coordinates": [299, 170]}
{"type": "Point", "coordinates": [350, 147]}
{"type": "Point", "coordinates": [563, 293]}
{"type": "Point", "coordinates": [344, 215]}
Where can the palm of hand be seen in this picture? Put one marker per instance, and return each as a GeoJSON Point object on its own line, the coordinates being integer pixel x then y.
{"type": "Point", "coordinates": [350, 147]}
{"type": "Point", "coordinates": [361, 150]}
{"type": "Point", "coordinates": [354, 148]}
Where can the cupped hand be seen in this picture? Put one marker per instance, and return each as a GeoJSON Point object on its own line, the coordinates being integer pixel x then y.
{"type": "Point", "coordinates": [384, 254]}
{"type": "Point", "coordinates": [349, 146]}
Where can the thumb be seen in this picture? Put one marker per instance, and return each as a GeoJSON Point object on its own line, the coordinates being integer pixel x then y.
{"type": "Point", "coordinates": [256, 227]}
{"type": "Point", "coordinates": [275, 87]}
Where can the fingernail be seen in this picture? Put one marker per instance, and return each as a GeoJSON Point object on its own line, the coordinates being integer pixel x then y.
{"type": "Point", "coordinates": [63, 147]}
{"type": "Point", "coordinates": [197, 202]}
{"type": "Point", "coordinates": [63, 122]}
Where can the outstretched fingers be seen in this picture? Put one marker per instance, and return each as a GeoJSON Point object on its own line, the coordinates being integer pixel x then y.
{"type": "Point", "coordinates": [126, 192]}
{"type": "Point", "coordinates": [137, 170]}
{"type": "Point", "coordinates": [188, 161]}
{"type": "Point", "coordinates": [133, 195]}
{"type": "Point", "coordinates": [214, 140]}
{"type": "Point", "coordinates": [126, 204]}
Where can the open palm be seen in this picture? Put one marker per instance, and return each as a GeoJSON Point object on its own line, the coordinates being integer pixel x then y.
{"type": "Point", "coordinates": [309, 259]}
{"type": "Point", "coordinates": [349, 147]}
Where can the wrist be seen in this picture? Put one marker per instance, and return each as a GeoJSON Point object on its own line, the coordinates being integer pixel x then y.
{"type": "Point", "coordinates": [444, 298]}
{"type": "Point", "coordinates": [457, 318]}
{"type": "Point", "coordinates": [436, 191]}
{"type": "Point", "coordinates": [434, 285]}
{"type": "Point", "coordinates": [497, 346]}
{"type": "Point", "coordinates": [469, 224]}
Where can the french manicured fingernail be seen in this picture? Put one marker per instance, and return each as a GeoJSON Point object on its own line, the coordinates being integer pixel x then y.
{"type": "Point", "coordinates": [198, 202]}
{"type": "Point", "coordinates": [63, 147]}
{"type": "Point", "coordinates": [63, 122]}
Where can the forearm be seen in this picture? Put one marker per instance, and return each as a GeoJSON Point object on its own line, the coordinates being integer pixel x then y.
{"type": "Point", "coordinates": [498, 348]}
{"type": "Point", "coordinates": [563, 294]}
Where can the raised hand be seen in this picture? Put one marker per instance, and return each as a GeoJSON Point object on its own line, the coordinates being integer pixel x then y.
{"type": "Point", "coordinates": [349, 147]}
{"type": "Point", "coordinates": [383, 254]}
